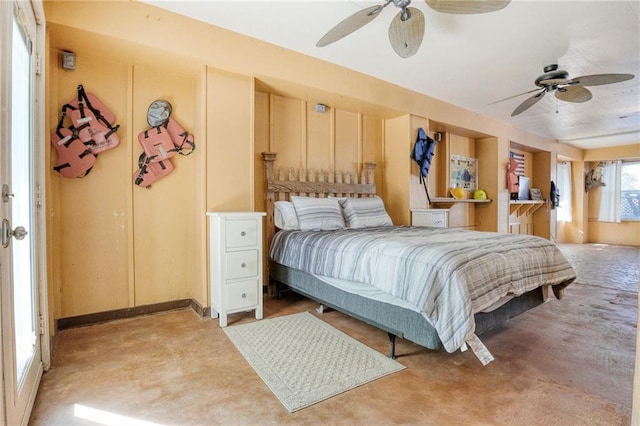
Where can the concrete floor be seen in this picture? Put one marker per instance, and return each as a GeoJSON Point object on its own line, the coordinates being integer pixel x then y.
{"type": "Point", "coordinates": [566, 362]}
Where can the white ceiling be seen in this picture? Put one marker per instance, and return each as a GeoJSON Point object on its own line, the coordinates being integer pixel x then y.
{"type": "Point", "coordinates": [472, 60]}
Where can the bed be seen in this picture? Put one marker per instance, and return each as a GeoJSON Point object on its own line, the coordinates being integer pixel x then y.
{"type": "Point", "coordinates": [437, 287]}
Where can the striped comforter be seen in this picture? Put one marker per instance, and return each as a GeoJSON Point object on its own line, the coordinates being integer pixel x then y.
{"type": "Point", "coordinates": [447, 273]}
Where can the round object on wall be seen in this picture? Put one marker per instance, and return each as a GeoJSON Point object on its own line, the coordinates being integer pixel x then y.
{"type": "Point", "coordinates": [158, 113]}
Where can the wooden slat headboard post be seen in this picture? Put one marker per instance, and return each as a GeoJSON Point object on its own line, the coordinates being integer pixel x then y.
{"type": "Point", "coordinates": [270, 196]}
{"type": "Point", "coordinates": [303, 182]}
{"type": "Point", "coordinates": [368, 173]}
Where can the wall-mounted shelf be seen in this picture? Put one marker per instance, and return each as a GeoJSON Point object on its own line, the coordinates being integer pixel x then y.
{"type": "Point", "coordinates": [525, 207]}
{"type": "Point", "coordinates": [446, 203]}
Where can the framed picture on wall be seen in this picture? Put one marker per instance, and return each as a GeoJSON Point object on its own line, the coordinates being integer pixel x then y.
{"type": "Point", "coordinates": [464, 172]}
{"type": "Point", "coordinates": [536, 194]}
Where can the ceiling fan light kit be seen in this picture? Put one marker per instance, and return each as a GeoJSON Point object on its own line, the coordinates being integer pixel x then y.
{"type": "Point", "coordinates": [406, 30]}
{"type": "Point", "coordinates": [565, 88]}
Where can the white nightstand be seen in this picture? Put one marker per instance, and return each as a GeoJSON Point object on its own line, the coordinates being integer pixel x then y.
{"type": "Point", "coordinates": [235, 263]}
{"type": "Point", "coordinates": [438, 218]}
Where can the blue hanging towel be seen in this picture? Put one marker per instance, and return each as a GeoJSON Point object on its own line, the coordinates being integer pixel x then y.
{"type": "Point", "coordinates": [422, 154]}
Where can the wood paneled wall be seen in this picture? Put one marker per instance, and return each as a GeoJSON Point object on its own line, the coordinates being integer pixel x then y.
{"type": "Point", "coordinates": [303, 138]}
{"type": "Point", "coordinates": [397, 163]}
{"type": "Point", "coordinates": [115, 245]}
{"type": "Point", "coordinates": [163, 243]}
{"type": "Point", "coordinates": [91, 221]}
{"type": "Point", "coordinates": [491, 179]}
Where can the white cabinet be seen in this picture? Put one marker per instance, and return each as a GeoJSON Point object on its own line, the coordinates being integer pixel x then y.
{"type": "Point", "coordinates": [235, 263]}
{"type": "Point", "coordinates": [438, 218]}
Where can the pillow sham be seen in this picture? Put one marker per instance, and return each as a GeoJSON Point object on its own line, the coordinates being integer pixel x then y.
{"type": "Point", "coordinates": [318, 214]}
{"type": "Point", "coordinates": [365, 212]}
{"type": "Point", "coordinates": [284, 216]}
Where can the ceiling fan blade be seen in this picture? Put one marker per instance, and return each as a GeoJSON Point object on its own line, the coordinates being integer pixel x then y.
{"type": "Point", "coordinates": [573, 94]}
{"type": "Point", "coordinates": [466, 7]}
{"type": "Point", "coordinates": [349, 25]}
{"type": "Point", "coordinates": [600, 79]}
{"type": "Point", "coordinates": [515, 96]}
{"type": "Point", "coordinates": [405, 34]}
{"type": "Point", "coordinates": [528, 103]}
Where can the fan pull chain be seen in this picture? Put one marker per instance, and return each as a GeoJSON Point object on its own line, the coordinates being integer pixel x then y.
{"type": "Point", "coordinates": [557, 105]}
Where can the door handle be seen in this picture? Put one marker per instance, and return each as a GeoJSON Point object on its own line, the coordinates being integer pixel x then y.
{"type": "Point", "coordinates": [6, 194]}
{"type": "Point", "coordinates": [19, 233]}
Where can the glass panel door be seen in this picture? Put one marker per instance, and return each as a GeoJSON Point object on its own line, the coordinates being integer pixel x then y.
{"type": "Point", "coordinates": [21, 356]}
{"type": "Point", "coordinates": [21, 212]}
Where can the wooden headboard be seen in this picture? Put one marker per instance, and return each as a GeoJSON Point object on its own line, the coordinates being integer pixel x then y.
{"type": "Point", "coordinates": [311, 183]}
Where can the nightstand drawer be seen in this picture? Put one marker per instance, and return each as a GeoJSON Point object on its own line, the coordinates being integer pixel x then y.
{"type": "Point", "coordinates": [241, 233]}
{"type": "Point", "coordinates": [438, 218]}
{"type": "Point", "coordinates": [242, 264]}
{"type": "Point", "coordinates": [242, 294]}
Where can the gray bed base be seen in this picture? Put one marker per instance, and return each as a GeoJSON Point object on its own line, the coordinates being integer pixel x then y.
{"type": "Point", "coordinates": [396, 321]}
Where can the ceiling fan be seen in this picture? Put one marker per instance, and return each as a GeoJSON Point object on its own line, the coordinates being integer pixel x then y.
{"type": "Point", "coordinates": [565, 88]}
{"type": "Point", "coordinates": [407, 28]}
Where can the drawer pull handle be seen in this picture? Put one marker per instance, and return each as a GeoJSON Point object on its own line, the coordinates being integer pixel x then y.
{"type": "Point", "coordinates": [242, 234]}
{"type": "Point", "coordinates": [244, 295]}
{"type": "Point", "coordinates": [243, 265]}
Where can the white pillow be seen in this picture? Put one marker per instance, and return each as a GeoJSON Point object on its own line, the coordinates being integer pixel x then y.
{"type": "Point", "coordinates": [318, 214]}
{"type": "Point", "coordinates": [284, 216]}
{"type": "Point", "coordinates": [365, 212]}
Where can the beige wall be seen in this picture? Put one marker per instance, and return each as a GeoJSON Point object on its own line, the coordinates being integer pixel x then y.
{"type": "Point", "coordinates": [626, 232]}
{"type": "Point", "coordinates": [491, 179]}
{"type": "Point", "coordinates": [314, 141]}
{"type": "Point", "coordinates": [114, 245]}
{"type": "Point", "coordinates": [90, 247]}
{"type": "Point", "coordinates": [397, 162]}
{"type": "Point", "coordinates": [117, 245]}
{"type": "Point", "coordinates": [575, 231]}
{"type": "Point", "coordinates": [585, 227]}
{"type": "Point", "coordinates": [624, 152]}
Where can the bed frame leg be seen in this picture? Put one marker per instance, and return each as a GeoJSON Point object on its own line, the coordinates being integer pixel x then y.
{"type": "Point", "coordinates": [321, 309]}
{"type": "Point", "coordinates": [392, 340]}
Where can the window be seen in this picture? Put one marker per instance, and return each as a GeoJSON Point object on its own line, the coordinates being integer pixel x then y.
{"type": "Point", "coordinates": [620, 197]}
{"type": "Point", "coordinates": [630, 190]}
{"type": "Point", "coordinates": [610, 192]}
{"type": "Point", "coordinates": [564, 189]}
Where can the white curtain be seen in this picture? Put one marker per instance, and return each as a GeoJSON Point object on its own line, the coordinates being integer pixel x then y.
{"type": "Point", "coordinates": [564, 188]}
{"type": "Point", "coordinates": [610, 194]}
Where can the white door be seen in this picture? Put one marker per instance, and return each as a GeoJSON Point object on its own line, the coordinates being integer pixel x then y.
{"type": "Point", "coordinates": [21, 252]}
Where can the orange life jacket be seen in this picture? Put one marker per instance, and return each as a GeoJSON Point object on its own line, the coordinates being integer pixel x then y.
{"type": "Point", "coordinates": [163, 140]}
{"type": "Point", "coordinates": [157, 144]}
{"type": "Point", "coordinates": [101, 130]}
{"type": "Point", "coordinates": [149, 172]}
{"type": "Point", "coordinates": [75, 159]}
{"type": "Point", "coordinates": [180, 137]}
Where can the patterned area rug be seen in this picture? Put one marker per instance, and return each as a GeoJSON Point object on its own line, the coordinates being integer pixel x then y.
{"type": "Point", "coordinates": [303, 360]}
